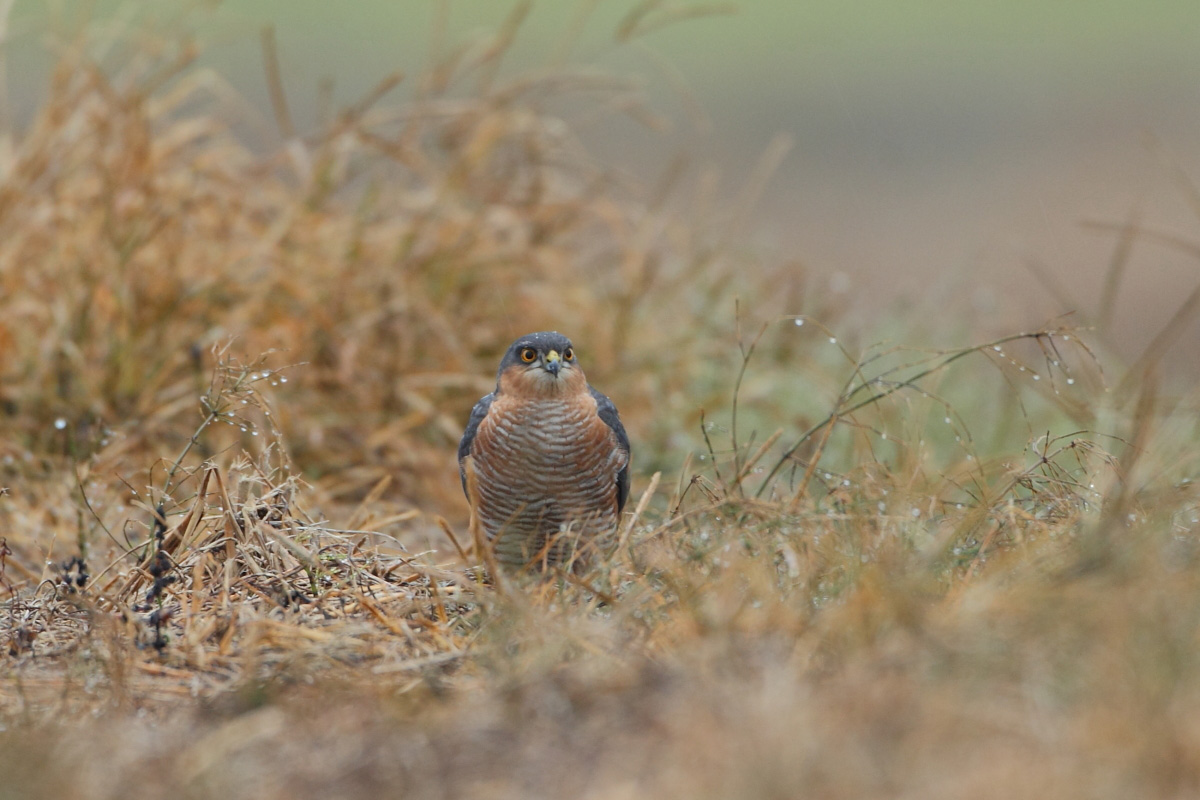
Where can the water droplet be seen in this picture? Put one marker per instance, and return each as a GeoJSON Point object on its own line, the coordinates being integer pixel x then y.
{"type": "Point", "coordinates": [833, 340]}
{"type": "Point", "coordinates": [947, 420]}
{"type": "Point", "coordinates": [845, 482]}
{"type": "Point", "coordinates": [1070, 381]}
{"type": "Point", "coordinates": [828, 477]}
{"type": "Point", "coordinates": [883, 436]}
{"type": "Point", "coordinates": [996, 347]}
{"type": "Point", "coordinates": [1037, 377]}
{"type": "Point", "coordinates": [799, 322]}
{"type": "Point", "coordinates": [916, 512]}
{"type": "Point", "coordinates": [60, 423]}
{"type": "Point", "coordinates": [881, 506]}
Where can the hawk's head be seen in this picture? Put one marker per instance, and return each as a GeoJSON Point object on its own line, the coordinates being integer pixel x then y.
{"type": "Point", "coordinates": [541, 364]}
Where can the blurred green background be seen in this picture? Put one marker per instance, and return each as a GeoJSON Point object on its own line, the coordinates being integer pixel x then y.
{"type": "Point", "coordinates": [939, 148]}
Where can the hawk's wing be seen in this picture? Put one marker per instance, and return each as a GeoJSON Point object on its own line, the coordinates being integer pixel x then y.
{"type": "Point", "coordinates": [468, 438]}
{"type": "Point", "coordinates": [608, 413]}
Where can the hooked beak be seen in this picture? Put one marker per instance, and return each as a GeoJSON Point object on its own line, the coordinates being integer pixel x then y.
{"type": "Point", "coordinates": [553, 362]}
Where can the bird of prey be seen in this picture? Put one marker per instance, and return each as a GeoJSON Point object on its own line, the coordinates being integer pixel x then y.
{"type": "Point", "coordinates": [549, 457]}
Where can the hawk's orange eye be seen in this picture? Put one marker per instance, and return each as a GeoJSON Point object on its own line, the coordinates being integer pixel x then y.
{"type": "Point", "coordinates": [569, 354]}
{"type": "Point", "coordinates": [529, 355]}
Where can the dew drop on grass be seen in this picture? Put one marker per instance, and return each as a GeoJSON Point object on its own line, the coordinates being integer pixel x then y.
{"type": "Point", "coordinates": [1037, 377]}
{"type": "Point", "coordinates": [282, 379]}
{"type": "Point", "coordinates": [60, 424]}
{"type": "Point", "coordinates": [916, 512]}
{"type": "Point", "coordinates": [947, 420]}
{"type": "Point", "coordinates": [799, 323]}
{"type": "Point", "coordinates": [845, 482]}
{"type": "Point", "coordinates": [828, 477]}
{"type": "Point", "coordinates": [883, 436]}
{"type": "Point", "coordinates": [833, 340]}
{"type": "Point", "coordinates": [881, 506]}
{"type": "Point", "coordinates": [1070, 381]}
{"type": "Point", "coordinates": [996, 347]}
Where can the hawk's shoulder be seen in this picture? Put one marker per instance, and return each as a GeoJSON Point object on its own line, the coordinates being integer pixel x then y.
{"type": "Point", "coordinates": [468, 438]}
{"type": "Point", "coordinates": [607, 411]}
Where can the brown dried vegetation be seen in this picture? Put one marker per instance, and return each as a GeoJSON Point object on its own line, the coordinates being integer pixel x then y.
{"type": "Point", "coordinates": [960, 573]}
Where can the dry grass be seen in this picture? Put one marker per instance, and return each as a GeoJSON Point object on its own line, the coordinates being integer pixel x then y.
{"type": "Point", "coordinates": [862, 572]}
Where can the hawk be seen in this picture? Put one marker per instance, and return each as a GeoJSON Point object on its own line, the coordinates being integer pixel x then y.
{"type": "Point", "coordinates": [549, 454]}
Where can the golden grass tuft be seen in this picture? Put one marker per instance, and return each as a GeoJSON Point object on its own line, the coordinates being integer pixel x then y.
{"type": "Point", "coordinates": [848, 572]}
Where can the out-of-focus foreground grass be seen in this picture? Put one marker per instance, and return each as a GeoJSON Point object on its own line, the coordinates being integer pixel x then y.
{"type": "Point", "coordinates": [234, 559]}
